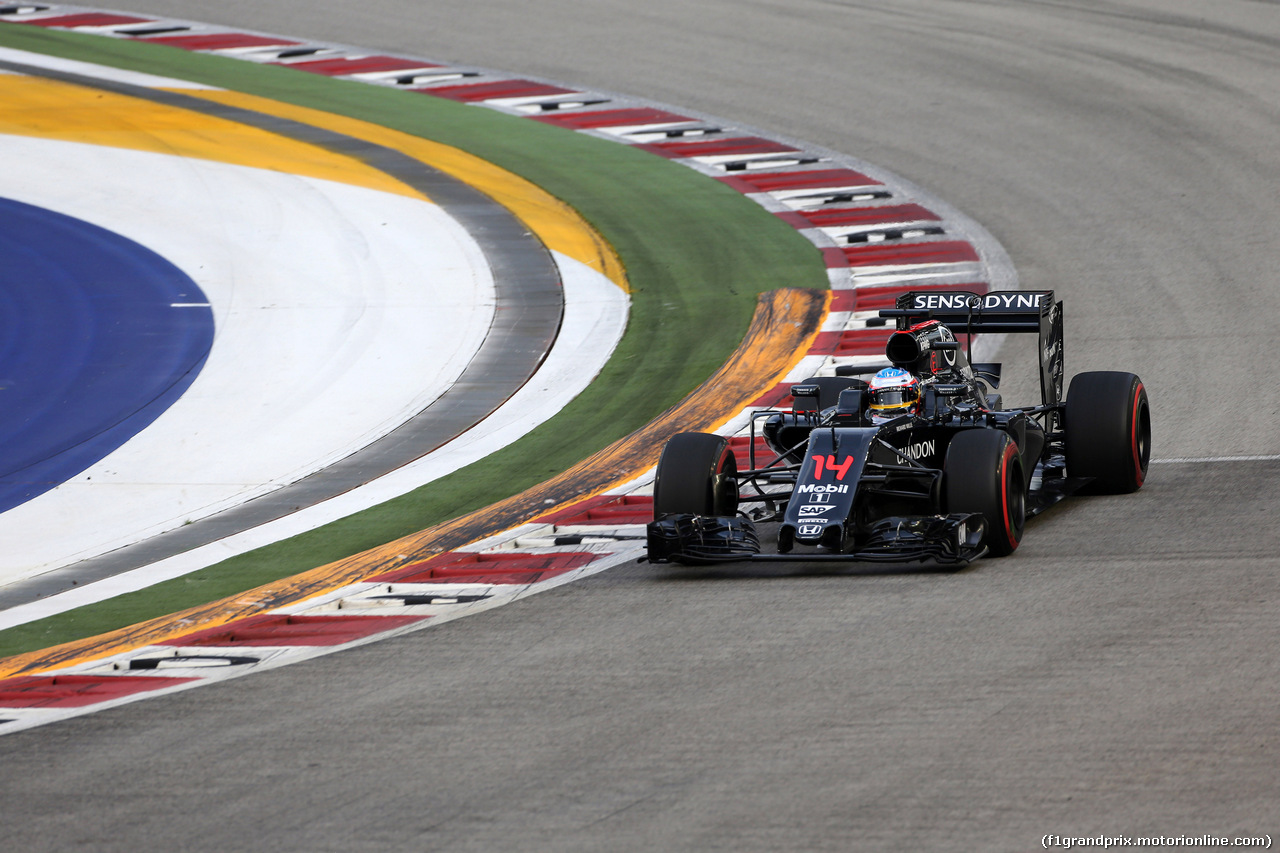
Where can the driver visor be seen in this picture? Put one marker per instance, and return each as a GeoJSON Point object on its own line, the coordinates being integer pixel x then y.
{"type": "Point", "coordinates": [893, 398]}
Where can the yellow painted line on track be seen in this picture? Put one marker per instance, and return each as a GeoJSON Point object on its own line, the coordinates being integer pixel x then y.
{"type": "Point", "coordinates": [556, 224]}
{"type": "Point", "coordinates": [784, 327]}
{"type": "Point", "coordinates": [52, 109]}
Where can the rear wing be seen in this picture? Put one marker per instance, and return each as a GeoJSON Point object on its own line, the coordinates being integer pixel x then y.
{"type": "Point", "coordinates": [998, 312]}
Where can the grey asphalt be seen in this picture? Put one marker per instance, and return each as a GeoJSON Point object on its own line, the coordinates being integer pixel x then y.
{"type": "Point", "coordinates": [1116, 676]}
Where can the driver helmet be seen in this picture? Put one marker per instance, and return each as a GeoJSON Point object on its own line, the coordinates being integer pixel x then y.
{"type": "Point", "coordinates": [893, 392]}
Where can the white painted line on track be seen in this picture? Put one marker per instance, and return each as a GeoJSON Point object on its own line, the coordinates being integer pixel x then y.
{"type": "Point", "coordinates": [1194, 459]}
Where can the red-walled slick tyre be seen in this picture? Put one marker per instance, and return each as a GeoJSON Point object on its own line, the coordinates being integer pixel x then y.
{"type": "Point", "coordinates": [1108, 431]}
{"type": "Point", "coordinates": [983, 473]}
{"type": "Point", "coordinates": [697, 474]}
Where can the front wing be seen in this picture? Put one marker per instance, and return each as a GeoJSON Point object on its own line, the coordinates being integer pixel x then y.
{"type": "Point", "coordinates": [953, 540]}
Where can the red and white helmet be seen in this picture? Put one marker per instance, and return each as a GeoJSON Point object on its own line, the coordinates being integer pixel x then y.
{"type": "Point", "coordinates": [893, 392]}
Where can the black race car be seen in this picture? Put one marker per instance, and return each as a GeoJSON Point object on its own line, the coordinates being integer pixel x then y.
{"type": "Point", "coordinates": [952, 480]}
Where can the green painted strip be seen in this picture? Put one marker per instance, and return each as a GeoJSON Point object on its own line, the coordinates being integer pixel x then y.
{"type": "Point", "coordinates": [696, 254]}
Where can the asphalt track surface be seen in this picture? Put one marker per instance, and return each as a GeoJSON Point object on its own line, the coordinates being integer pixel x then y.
{"type": "Point", "coordinates": [1115, 676]}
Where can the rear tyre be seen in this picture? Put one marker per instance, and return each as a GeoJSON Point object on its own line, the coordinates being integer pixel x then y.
{"type": "Point", "coordinates": [983, 473]}
{"type": "Point", "coordinates": [697, 474]}
{"type": "Point", "coordinates": [1108, 431]}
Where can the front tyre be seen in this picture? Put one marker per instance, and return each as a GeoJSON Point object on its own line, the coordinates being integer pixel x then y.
{"type": "Point", "coordinates": [698, 475]}
{"type": "Point", "coordinates": [1108, 431]}
{"type": "Point", "coordinates": [983, 473]}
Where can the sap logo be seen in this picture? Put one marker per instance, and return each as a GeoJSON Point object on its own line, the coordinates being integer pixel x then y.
{"type": "Point", "coordinates": [813, 489]}
{"type": "Point", "coordinates": [829, 463]}
{"type": "Point", "coordinates": [809, 530]}
{"type": "Point", "coordinates": [1016, 301]}
{"type": "Point", "coordinates": [920, 448]}
{"type": "Point", "coordinates": [815, 509]}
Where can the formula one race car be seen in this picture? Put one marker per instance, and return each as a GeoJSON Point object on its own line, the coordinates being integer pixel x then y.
{"type": "Point", "coordinates": [922, 463]}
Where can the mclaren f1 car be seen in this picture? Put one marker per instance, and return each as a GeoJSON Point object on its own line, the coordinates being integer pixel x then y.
{"type": "Point", "coordinates": [922, 463]}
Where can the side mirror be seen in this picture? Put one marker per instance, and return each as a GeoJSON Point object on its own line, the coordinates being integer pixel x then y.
{"type": "Point", "coordinates": [806, 397]}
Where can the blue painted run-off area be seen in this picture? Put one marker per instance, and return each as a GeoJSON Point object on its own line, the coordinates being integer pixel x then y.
{"type": "Point", "coordinates": [97, 339]}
